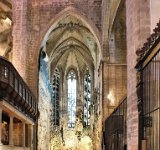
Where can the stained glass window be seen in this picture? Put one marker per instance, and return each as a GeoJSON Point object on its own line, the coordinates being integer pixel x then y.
{"type": "Point", "coordinates": [71, 79]}
{"type": "Point", "coordinates": [56, 95]}
{"type": "Point", "coordinates": [87, 98]}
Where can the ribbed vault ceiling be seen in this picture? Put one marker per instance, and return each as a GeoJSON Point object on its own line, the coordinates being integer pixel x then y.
{"type": "Point", "coordinates": [71, 44]}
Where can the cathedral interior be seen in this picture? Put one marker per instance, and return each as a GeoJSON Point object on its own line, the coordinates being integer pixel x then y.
{"type": "Point", "coordinates": [79, 75]}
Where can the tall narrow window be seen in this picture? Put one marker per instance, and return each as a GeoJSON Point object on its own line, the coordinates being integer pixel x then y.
{"type": "Point", "coordinates": [87, 98]}
{"type": "Point", "coordinates": [56, 93]}
{"type": "Point", "coordinates": [71, 78]}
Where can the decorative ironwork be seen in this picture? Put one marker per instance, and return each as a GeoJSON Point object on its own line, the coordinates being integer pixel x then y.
{"type": "Point", "coordinates": [148, 91]}
{"type": "Point", "coordinates": [115, 136]}
{"type": "Point", "coordinates": [151, 41]}
{"type": "Point", "coordinates": [147, 121]}
{"type": "Point", "coordinates": [15, 91]}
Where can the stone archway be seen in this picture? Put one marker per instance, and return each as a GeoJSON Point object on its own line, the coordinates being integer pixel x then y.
{"type": "Point", "coordinates": [69, 42]}
{"type": "Point", "coordinates": [43, 34]}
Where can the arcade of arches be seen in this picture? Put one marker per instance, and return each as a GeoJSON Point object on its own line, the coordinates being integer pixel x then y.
{"type": "Point", "coordinates": [79, 75]}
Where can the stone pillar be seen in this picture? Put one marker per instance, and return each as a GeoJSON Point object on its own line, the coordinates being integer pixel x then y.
{"type": "Point", "coordinates": [24, 142]}
{"type": "Point", "coordinates": [20, 37]}
{"type": "Point", "coordinates": [11, 131]}
{"type": "Point", "coordinates": [30, 136]}
{"type": "Point", "coordinates": [137, 14]}
{"type": "Point", "coordinates": [0, 126]}
{"type": "Point", "coordinates": [31, 139]}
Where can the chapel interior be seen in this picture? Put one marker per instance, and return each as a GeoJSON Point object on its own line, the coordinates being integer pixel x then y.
{"type": "Point", "coordinates": [79, 75]}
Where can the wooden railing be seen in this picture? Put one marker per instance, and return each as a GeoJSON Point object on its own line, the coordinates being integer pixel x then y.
{"type": "Point", "coordinates": [14, 90]}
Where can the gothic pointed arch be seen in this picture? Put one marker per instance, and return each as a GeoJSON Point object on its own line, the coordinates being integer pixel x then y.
{"type": "Point", "coordinates": [70, 11]}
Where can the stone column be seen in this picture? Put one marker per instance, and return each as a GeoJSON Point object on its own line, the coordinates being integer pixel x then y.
{"type": "Point", "coordinates": [11, 131]}
{"type": "Point", "coordinates": [0, 126]}
{"type": "Point", "coordinates": [31, 140]}
{"type": "Point", "coordinates": [30, 136]}
{"type": "Point", "coordinates": [138, 12]}
{"type": "Point", "coordinates": [24, 142]}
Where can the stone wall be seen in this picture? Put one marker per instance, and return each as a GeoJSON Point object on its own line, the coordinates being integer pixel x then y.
{"type": "Point", "coordinates": [44, 107]}
{"type": "Point", "coordinates": [21, 37]}
{"type": "Point", "coordinates": [114, 86]}
{"type": "Point", "coordinates": [114, 66]}
{"type": "Point", "coordinates": [18, 134]}
{"type": "Point", "coordinates": [32, 19]}
{"type": "Point", "coordinates": [43, 13]}
{"type": "Point", "coordinates": [138, 29]}
{"type": "Point", "coordinates": [155, 13]}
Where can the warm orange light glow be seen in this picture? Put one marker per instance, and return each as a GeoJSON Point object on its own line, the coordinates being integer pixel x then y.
{"type": "Point", "coordinates": [111, 98]}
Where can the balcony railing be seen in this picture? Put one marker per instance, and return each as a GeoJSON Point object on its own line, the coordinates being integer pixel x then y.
{"type": "Point", "coordinates": [15, 91]}
{"type": "Point", "coordinates": [115, 137]}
